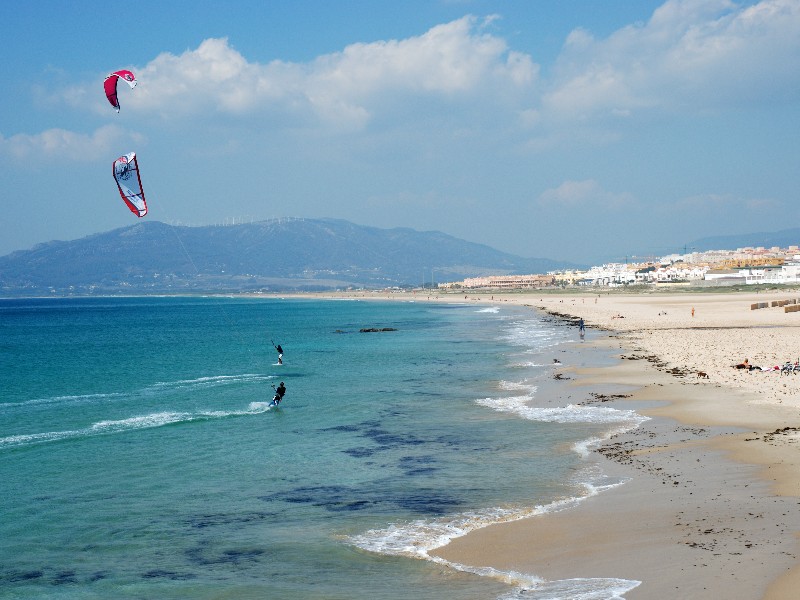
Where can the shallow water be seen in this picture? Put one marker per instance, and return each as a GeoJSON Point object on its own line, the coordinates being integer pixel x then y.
{"type": "Point", "coordinates": [139, 458]}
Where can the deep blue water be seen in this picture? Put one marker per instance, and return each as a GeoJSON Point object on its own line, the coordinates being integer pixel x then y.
{"type": "Point", "coordinates": [139, 458]}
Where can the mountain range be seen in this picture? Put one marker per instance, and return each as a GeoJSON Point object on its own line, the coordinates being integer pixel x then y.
{"type": "Point", "coordinates": [274, 255]}
{"type": "Point", "coordinates": [781, 239]}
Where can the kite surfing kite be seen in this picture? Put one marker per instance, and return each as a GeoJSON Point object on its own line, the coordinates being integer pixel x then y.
{"type": "Point", "coordinates": [110, 85]}
{"type": "Point", "coordinates": [126, 174]}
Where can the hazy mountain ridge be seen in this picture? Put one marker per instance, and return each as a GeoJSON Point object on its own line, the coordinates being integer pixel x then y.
{"type": "Point", "coordinates": [281, 254]}
{"type": "Point", "coordinates": [782, 239]}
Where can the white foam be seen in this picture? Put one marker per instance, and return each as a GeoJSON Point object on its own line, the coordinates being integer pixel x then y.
{"type": "Point", "coordinates": [571, 413]}
{"type": "Point", "coordinates": [526, 365]}
{"type": "Point", "coordinates": [417, 538]}
{"type": "Point", "coordinates": [489, 309]}
{"type": "Point", "coordinates": [257, 407]}
{"type": "Point", "coordinates": [155, 388]}
{"type": "Point", "coordinates": [134, 423]}
{"type": "Point", "coordinates": [209, 381]}
{"type": "Point", "coordinates": [72, 398]}
{"type": "Point", "coordinates": [519, 386]}
{"type": "Point", "coordinates": [600, 588]}
{"type": "Point", "coordinates": [533, 334]}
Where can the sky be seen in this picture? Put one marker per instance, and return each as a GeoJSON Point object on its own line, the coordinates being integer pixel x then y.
{"type": "Point", "coordinates": [576, 130]}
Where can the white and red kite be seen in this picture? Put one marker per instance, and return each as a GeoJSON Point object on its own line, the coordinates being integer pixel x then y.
{"type": "Point", "coordinates": [126, 174]}
{"type": "Point", "coordinates": [110, 85]}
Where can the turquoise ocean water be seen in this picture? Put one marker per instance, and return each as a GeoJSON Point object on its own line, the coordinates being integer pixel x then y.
{"type": "Point", "coordinates": [139, 457]}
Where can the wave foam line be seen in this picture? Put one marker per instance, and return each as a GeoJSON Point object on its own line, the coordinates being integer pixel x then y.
{"type": "Point", "coordinates": [519, 386]}
{"type": "Point", "coordinates": [150, 421]}
{"type": "Point", "coordinates": [68, 399]}
{"type": "Point", "coordinates": [532, 334]}
{"type": "Point", "coordinates": [209, 381]}
{"type": "Point", "coordinates": [571, 413]}
{"type": "Point", "coordinates": [158, 387]}
{"type": "Point", "coordinates": [417, 539]}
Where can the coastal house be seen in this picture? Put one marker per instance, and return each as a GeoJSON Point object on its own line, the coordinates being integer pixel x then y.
{"type": "Point", "coordinates": [768, 275]}
{"type": "Point", "coordinates": [508, 282]}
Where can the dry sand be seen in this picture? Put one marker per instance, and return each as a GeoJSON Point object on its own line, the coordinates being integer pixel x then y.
{"type": "Point", "coordinates": [711, 510]}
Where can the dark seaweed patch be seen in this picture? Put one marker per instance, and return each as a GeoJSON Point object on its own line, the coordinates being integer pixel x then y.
{"type": "Point", "coordinates": [428, 502]}
{"type": "Point", "coordinates": [352, 428]}
{"type": "Point", "coordinates": [26, 576]}
{"type": "Point", "coordinates": [349, 506]}
{"type": "Point", "coordinates": [332, 498]}
{"type": "Point", "coordinates": [343, 499]}
{"type": "Point", "coordinates": [384, 438]}
{"type": "Point", "coordinates": [199, 556]}
{"type": "Point", "coordinates": [307, 494]}
{"type": "Point", "coordinates": [361, 452]}
{"type": "Point", "coordinates": [161, 574]}
{"type": "Point", "coordinates": [64, 577]}
{"type": "Point", "coordinates": [215, 519]}
{"type": "Point", "coordinates": [418, 465]}
{"type": "Point", "coordinates": [420, 471]}
{"type": "Point", "coordinates": [345, 428]}
{"type": "Point", "coordinates": [408, 461]}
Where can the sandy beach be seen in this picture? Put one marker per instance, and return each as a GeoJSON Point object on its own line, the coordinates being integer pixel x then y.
{"type": "Point", "coordinates": [710, 509]}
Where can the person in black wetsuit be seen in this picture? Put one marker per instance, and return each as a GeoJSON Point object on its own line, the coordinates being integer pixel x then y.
{"type": "Point", "coordinates": [280, 391]}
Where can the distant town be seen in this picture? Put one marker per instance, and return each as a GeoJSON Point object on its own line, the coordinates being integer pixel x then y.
{"type": "Point", "coordinates": [744, 266]}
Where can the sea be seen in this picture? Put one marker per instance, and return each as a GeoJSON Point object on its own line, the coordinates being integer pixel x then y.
{"type": "Point", "coordinates": [140, 456]}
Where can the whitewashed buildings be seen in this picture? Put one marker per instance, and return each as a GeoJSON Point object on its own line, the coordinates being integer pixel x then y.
{"type": "Point", "coordinates": [713, 268]}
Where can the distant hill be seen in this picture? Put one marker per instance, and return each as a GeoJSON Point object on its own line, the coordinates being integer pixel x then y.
{"type": "Point", "coordinates": [275, 255]}
{"type": "Point", "coordinates": [782, 239]}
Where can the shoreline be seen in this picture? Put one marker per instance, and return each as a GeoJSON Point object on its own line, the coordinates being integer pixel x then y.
{"type": "Point", "coordinates": [710, 507]}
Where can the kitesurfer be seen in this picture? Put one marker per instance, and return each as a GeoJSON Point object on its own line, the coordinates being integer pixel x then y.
{"type": "Point", "coordinates": [280, 353]}
{"type": "Point", "coordinates": [279, 393]}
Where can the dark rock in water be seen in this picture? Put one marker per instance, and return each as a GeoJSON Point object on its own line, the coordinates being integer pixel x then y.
{"type": "Point", "coordinates": [374, 329]}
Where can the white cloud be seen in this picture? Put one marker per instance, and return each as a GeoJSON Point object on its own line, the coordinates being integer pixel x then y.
{"type": "Point", "coordinates": [453, 60]}
{"type": "Point", "coordinates": [62, 144]}
{"type": "Point", "coordinates": [577, 194]}
{"type": "Point", "coordinates": [694, 55]}
{"type": "Point", "coordinates": [691, 53]}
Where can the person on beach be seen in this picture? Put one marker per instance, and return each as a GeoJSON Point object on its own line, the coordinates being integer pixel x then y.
{"type": "Point", "coordinates": [280, 391]}
{"type": "Point", "coordinates": [743, 365]}
{"type": "Point", "coordinates": [581, 326]}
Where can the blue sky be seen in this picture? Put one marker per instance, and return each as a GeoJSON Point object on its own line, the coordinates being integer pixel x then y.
{"type": "Point", "coordinates": [577, 129]}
